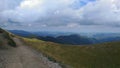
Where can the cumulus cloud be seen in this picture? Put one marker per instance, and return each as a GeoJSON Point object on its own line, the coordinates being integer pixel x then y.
{"type": "Point", "coordinates": [102, 12]}
{"type": "Point", "coordinates": [62, 13]}
{"type": "Point", "coordinates": [32, 10]}
{"type": "Point", "coordinates": [8, 4]}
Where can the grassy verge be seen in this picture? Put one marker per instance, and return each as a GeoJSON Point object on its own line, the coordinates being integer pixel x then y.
{"type": "Point", "coordinates": [6, 37]}
{"type": "Point", "coordinates": [105, 55]}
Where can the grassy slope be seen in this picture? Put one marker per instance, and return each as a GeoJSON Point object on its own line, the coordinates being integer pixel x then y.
{"type": "Point", "coordinates": [6, 38]}
{"type": "Point", "coordinates": [105, 55]}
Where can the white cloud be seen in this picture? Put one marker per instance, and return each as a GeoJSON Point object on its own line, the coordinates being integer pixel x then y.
{"type": "Point", "coordinates": [101, 12]}
{"type": "Point", "coordinates": [8, 4]}
{"type": "Point", "coordinates": [32, 10]}
{"type": "Point", "coordinates": [73, 25]}
{"type": "Point", "coordinates": [30, 4]}
{"type": "Point", "coordinates": [59, 12]}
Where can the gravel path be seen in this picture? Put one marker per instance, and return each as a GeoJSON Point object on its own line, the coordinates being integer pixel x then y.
{"type": "Point", "coordinates": [24, 57]}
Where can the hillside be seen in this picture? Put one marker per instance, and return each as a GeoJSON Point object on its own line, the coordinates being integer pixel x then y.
{"type": "Point", "coordinates": [70, 38]}
{"type": "Point", "coordinates": [15, 54]}
{"type": "Point", "coordinates": [104, 55]}
{"type": "Point", "coordinates": [6, 38]}
{"type": "Point", "coordinates": [57, 37]}
{"type": "Point", "coordinates": [73, 39]}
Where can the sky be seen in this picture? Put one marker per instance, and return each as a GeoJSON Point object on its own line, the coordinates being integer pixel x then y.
{"type": "Point", "coordinates": [61, 15]}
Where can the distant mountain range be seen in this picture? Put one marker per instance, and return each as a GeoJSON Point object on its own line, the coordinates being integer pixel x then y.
{"type": "Point", "coordinates": [70, 38]}
{"type": "Point", "coordinates": [21, 33]}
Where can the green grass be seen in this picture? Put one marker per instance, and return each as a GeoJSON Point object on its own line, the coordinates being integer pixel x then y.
{"type": "Point", "coordinates": [105, 55]}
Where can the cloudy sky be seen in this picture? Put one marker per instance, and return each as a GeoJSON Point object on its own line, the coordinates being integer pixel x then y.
{"type": "Point", "coordinates": [61, 15]}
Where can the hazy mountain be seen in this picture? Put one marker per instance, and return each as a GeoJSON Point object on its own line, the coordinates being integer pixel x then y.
{"type": "Point", "coordinates": [69, 37]}
{"type": "Point", "coordinates": [21, 33]}
{"type": "Point", "coordinates": [103, 55]}
{"type": "Point", "coordinates": [58, 37]}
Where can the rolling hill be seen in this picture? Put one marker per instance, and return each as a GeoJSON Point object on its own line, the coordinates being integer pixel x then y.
{"type": "Point", "coordinates": [70, 38]}
{"type": "Point", "coordinates": [104, 55]}
{"type": "Point", "coordinates": [58, 37]}
{"type": "Point", "coordinates": [15, 54]}
{"type": "Point", "coordinates": [73, 39]}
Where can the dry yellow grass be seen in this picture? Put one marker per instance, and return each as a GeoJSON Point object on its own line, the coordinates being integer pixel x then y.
{"type": "Point", "coordinates": [105, 55]}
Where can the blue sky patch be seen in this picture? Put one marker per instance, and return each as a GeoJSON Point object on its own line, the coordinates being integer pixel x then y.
{"type": "Point", "coordinates": [80, 3]}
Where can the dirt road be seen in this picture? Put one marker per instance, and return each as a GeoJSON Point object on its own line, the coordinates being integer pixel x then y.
{"type": "Point", "coordinates": [24, 57]}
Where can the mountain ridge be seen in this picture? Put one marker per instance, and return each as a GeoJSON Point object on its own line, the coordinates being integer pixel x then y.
{"type": "Point", "coordinates": [70, 38]}
{"type": "Point", "coordinates": [105, 55]}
